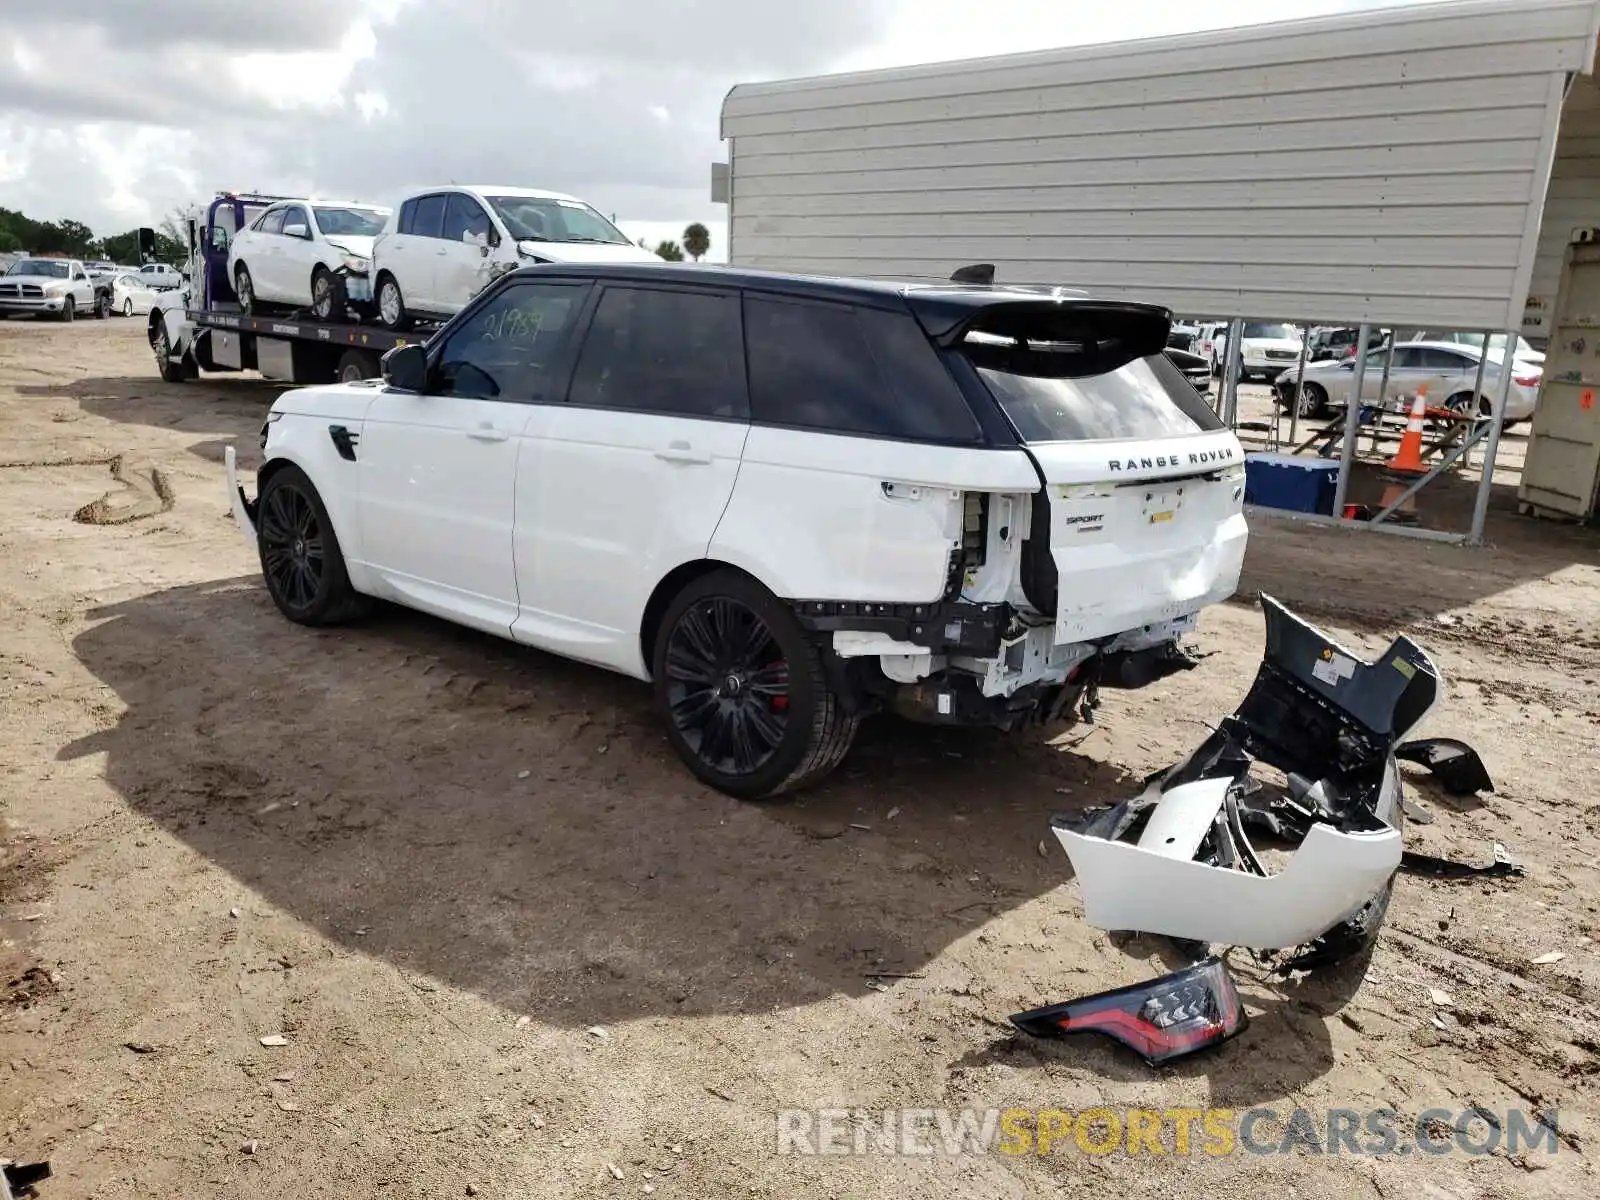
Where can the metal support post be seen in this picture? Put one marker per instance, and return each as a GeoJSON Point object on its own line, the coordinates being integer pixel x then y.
{"type": "Point", "coordinates": [1299, 390]}
{"type": "Point", "coordinates": [1508, 368]}
{"type": "Point", "coordinates": [1352, 421]}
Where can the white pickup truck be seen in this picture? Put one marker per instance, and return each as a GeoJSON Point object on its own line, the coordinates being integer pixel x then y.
{"type": "Point", "coordinates": [54, 287]}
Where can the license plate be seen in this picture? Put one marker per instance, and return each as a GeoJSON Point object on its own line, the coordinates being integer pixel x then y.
{"type": "Point", "coordinates": [358, 287]}
{"type": "Point", "coordinates": [1160, 508]}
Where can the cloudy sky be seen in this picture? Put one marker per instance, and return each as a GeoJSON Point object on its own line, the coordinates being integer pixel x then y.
{"type": "Point", "coordinates": [113, 111]}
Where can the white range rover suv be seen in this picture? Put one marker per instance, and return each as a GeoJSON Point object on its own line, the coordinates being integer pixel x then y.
{"type": "Point", "coordinates": [787, 502]}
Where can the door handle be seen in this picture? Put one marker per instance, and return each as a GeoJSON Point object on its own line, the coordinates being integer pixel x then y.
{"type": "Point", "coordinates": [682, 452]}
{"type": "Point", "coordinates": [486, 432]}
{"type": "Point", "coordinates": [442, 252]}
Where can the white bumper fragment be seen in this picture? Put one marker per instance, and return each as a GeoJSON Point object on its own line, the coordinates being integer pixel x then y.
{"type": "Point", "coordinates": [1156, 887]}
{"type": "Point", "coordinates": [241, 514]}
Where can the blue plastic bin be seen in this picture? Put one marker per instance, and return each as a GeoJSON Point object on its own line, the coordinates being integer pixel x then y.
{"type": "Point", "coordinates": [1289, 482]}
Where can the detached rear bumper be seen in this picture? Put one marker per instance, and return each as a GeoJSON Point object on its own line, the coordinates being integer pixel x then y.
{"type": "Point", "coordinates": [1138, 888]}
{"type": "Point", "coordinates": [243, 507]}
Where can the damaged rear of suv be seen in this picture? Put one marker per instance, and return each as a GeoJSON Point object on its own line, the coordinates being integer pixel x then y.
{"type": "Point", "coordinates": [1055, 529]}
{"type": "Point", "coordinates": [787, 502]}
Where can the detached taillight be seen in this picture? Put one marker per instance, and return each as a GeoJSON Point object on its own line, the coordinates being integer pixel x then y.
{"type": "Point", "coordinates": [1160, 1019]}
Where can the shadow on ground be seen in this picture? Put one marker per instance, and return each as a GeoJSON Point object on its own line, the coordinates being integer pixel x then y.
{"type": "Point", "coordinates": [515, 824]}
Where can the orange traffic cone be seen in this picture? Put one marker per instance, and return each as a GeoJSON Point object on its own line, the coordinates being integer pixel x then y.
{"type": "Point", "coordinates": [1401, 470]}
{"type": "Point", "coordinates": [1408, 459]}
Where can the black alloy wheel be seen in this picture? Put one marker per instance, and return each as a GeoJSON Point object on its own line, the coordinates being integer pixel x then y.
{"type": "Point", "coordinates": [743, 690]}
{"type": "Point", "coordinates": [292, 553]}
{"type": "Point", "coordinates": [727, 686]}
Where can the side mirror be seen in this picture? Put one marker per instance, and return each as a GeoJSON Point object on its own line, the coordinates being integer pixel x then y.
{"type": "Point", "coordinates": [296, 230]}
{"type": "Point", "coordinates": [405, 368]}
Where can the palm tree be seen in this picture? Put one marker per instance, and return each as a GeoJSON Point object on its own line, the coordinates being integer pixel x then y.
{"type": "Point", "coordinates": [697, 241]}
{"type": "Point", "coordinates": [670, 251]}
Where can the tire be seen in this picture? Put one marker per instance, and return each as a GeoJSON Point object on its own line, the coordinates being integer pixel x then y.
{"type": "Point", "coordinates": [356, 365]}
{"type": "Point", "coordinates": [391, 304]}
{"type": "Point", "coordinates": [127, 307]}
{"type": "Point", "coordinates": [102, 307]}
{"type": "Point", "coordinates": [1313, 399]}
{"type": "Point", "coordinates": [170, 371]}
{"type": "Point", "coordinates": [244, 287]}
{"type": "Point", "coordinates": [300, 557]}
{"type": "Point", "coordinates": [327, 296]}
{"type": "Point", "coordinates": [69, 310]}
{"type": "Point", "coordinates": [731, 659]}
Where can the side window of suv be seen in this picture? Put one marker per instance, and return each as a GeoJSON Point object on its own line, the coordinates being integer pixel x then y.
{"type": "Point", "coordinates": [838, 369]}
{"type": "Point", "coordinates": [510, 347]}
{"type": "Point", "coordinates": [661, 350]}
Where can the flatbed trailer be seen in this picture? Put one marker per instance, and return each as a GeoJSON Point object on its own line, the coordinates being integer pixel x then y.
{"type": "Point", "coordinates": [202, 328]}
{"type": "Point", "coordinates": [292, 349]}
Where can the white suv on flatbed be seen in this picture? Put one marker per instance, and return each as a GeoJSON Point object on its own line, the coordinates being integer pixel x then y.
{"type": "Point", "coordinates": [787, 502]}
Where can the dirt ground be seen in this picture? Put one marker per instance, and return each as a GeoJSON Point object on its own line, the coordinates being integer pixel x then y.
{"type": "Point", "coordinates": [510, 944]}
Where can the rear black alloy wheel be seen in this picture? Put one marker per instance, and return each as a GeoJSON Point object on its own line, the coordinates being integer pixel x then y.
{"type": "Point", "coordinates": [300, 556]}
{"type": "Point", "coordinates": [728, 684]}
{"type": "Point", "coordinates": [743, 691]}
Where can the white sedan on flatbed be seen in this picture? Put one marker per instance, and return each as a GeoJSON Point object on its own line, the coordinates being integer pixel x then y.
{"type": "Point", "coordinates": [313, 254]}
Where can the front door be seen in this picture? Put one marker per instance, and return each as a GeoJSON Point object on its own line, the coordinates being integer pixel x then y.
{"type": "Point", "coordinates": [461, 261]}
{"type": "Point", "coordinates": [439, 470]}
{"type": "Point", "coordinates": [630, 477]}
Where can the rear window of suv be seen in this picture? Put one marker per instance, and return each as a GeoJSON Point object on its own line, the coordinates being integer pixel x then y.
{"type": "Point", "coordinates": [1146, 398]}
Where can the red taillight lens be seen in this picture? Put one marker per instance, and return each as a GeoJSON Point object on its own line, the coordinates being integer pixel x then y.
{"type": "Point", "coordinates": [1160, 1019]}
{"type": "Point", "coordinates": [1526, 380]}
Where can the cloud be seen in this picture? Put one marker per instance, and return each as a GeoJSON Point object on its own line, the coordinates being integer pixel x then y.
{"type": "Point", "coordinates": [614, 100]}
{"type": "Point", "coordinates": [112, 112]}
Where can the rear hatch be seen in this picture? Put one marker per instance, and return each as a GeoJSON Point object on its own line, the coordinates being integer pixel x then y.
{"type": "Point", "coordinates": [1143, 484]}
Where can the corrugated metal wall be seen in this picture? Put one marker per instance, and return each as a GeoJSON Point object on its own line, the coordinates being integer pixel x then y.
{"type": "Point", "coordinates": [1386, 166]}
{"type": "Point", "coordinates": [1573, 201]}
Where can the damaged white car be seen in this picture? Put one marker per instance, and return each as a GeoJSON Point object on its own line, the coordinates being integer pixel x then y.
{"type": "Point", "coordinates": [1309, 760]}
{"type": "Point", "coordinates": [787, 502]}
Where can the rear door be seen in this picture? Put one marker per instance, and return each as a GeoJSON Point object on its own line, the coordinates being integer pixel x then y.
{"type": "Point", "coordinates": [409, 253]}
{"type": "Point", "coordinates": [630, 476]}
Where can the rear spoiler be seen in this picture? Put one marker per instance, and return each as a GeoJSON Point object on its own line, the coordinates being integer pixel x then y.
{"type": "Point", "coordinates": [1037, 331]}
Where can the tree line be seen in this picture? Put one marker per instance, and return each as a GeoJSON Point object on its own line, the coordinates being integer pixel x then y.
{"type": "Point", "coordinates": [20, 232]}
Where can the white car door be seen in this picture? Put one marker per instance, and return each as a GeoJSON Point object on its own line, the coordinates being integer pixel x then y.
{"type": "Point", "coordinates": [292, 255]}
{"type": "Point", "coordinates": [459, 266]}
{"type": "Point", "coordinates": [439, 470]}
{"type": "Point", "coordinates": [419, 251]}
{"type": "Point", "coordinates": [630, 476]}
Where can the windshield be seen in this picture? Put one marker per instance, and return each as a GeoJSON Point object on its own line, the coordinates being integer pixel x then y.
{"type": "Point", "coordinates": [1282, 333]}
{"type": "Point", "coordinates": [351, 222]}
{"type": "Point", "coordinates": [41, 266]}
{"type": "Point", "coordinates": [542, 219]}
{"type": "Point", "coordinates": [1144, 399]}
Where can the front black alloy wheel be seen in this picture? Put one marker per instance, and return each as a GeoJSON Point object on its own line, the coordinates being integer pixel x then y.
{"type": "Point", "coordinates": [300, 555]}
{"type": "Point", "coordinates": [742, 689]}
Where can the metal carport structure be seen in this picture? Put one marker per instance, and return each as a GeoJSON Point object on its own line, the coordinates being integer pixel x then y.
{"type": "Point", "coordinates": [1390, 167]}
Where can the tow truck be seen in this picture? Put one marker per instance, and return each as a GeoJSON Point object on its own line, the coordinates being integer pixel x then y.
{"type": "Point", "coordinates": [201, 327]}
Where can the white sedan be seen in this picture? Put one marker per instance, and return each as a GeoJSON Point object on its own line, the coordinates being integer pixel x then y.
{"type": "Point", "coordinates": [1447, 370]}
{"type": "Point", "coordinates": [306, 254]}
{"type": "Point", "coordinates": [131, 296]}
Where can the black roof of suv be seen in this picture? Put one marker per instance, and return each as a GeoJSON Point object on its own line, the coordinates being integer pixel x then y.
{"type": "Point", "coordinates": [947, 311]}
